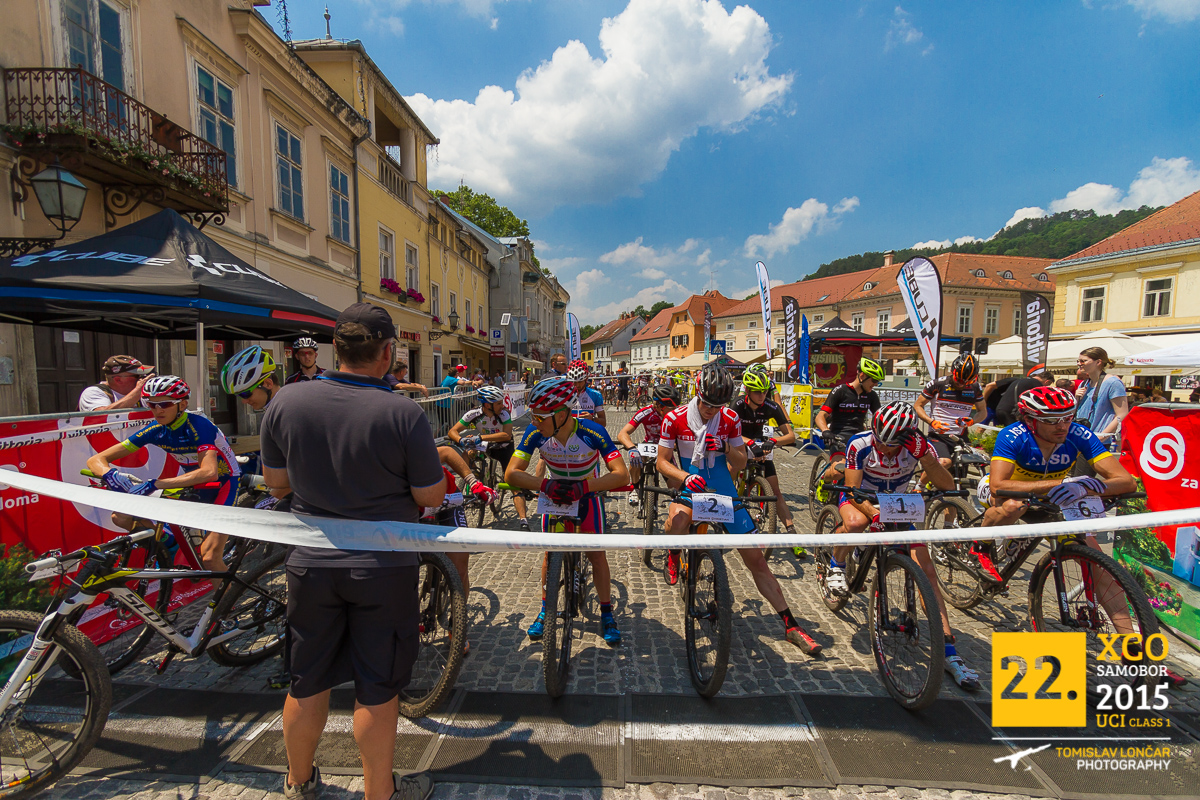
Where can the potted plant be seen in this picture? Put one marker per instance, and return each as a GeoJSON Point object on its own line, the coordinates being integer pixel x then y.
{"type": "Point", "coordinates": [390, 286]}
{"type": "Point", "coordinates": [437, 320]}
{"type": "Point", "coordinates": [416, 296]}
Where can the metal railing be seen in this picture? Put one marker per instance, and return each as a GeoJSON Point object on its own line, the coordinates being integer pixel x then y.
{"type": "Point", "coordinates": [45, 101]}
{"type": "Point", "coordinates": [443, 408]}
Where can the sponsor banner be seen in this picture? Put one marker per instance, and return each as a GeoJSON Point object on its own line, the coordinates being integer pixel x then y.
{"type": "Point", "coordinates": [514, 400]}
{"type": "Point", "coordinates": [574, 343]}
{"type": "Point", "coordinates": [58, 434]}
{"type": "Point", "coordinates": [1035, 310]}
{"type": "Point", "coordinates": [1185, 381]}
{"type": "Point", "coordinates": [707, 330]}
{"type": "Point", "coordinates": [803, 355]}
{"type": "Point", "coordinates": [1162, 447]}
{"type": "Point", "coordinates": [834, 365]}
{"type": "Point", "coordinates": [921, 288]}
{"type": "Point", "coordinates": [797, 401]}
{"type": "Point", "coordinates": [892, 395]}
{"type": "Point", "coordinates": [764, 295]}
{"type": "Point", "coordinates": [791, 339]}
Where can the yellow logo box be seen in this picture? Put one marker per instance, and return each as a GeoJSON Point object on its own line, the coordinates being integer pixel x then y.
{"type": "Point", "coordinates": [1039, 680]}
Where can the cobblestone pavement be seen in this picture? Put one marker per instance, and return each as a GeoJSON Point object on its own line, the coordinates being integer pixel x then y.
{"type": "Point", "coordinates": [505, 597]}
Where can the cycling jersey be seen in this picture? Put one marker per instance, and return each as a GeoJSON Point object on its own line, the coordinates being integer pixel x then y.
{"type": "Point", "coordinates": [187, 439]}
{"type": "Point", "coordinates": [589, 400]}
{"type": "Point", "coordinates": [299, 376]}
{"type": "Point", "coordinates": [484, 424]}
{"type": "Point", "coordinates": [755, 419]}
{"type": "Point", "coordinates": [576, 460]}
{"type": "Point", "coordinates": [847, 409]}
{"type": "Point", "coordinates": [678, 436]}
{"type": "Point", "coordinates": [649, 418]}
{"type": "Point", "coordinates": [1017, 445]}
{"type": "Point", "coordinates": [951, 403]}
{"type": "Point", "coordinates": [884, 473]}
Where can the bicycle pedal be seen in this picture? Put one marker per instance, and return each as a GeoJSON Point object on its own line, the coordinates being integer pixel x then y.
{"type": "Point", "coordinates": [280, 680]}
{"type": "Point", "coordinates": [167, 659]}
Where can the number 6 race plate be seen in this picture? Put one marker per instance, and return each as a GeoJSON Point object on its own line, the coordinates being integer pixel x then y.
{"type": "Point", "coordinates": [901, 508]}
{"type": "Point", "coordinates": [708, 507]}
{"type": "Point", "coordinates": [1084, 508]}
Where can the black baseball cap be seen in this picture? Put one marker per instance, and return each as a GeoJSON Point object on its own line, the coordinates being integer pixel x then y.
{"type": "Point", "coordinates": [373, 318]}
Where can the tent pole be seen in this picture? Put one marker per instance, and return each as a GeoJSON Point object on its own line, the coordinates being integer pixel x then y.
{"type": "Point", "coordinates": [201, 370]}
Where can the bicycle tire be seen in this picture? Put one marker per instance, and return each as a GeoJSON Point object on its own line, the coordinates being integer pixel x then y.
{"type": "Point", "coordinates": [495, 478]}
{"type": "Point", "coordinates": [707, 614]}
{"type": "Point", "coordinates": [819, 466]}
{"type": "Point", "coordinates": [917, 613]}
{"type": "Point", "coordinates": [443, 614]}
{"type": "Point", "coordinates": [556, 639]}
{"type": "Point", "coordinates": [263, 618]}
{"type": "Point", "coordinates": [1041, 581]}
{"type": "Point", "coordinates": [960, 588]}
{"type": "Point", "coordinates": [19, 729]}
{"type": "Point", "coordinates": [827, 522]}
{"type": "Point", "coordinates": [765, 515]}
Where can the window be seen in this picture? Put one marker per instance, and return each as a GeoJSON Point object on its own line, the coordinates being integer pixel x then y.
{"type": "Point", "coordinates": [730, 344]}
{"type": "Point", "coordinates": [95, 39]}
{"type": "Point", "coordinates": [980, 273]}
{"type": "Point", "coordinates": [964, 319]}
{"type": "Point", "coordinates": [480, 310]}
{"type": "Point", "coordinates": [779, 343]}
{"type": "Point", "coordinates": [1091, 305]}
{"type": "Point", "coordinates": [216, 118]}
{"type": "Point", "coordinates": [339, 204]}
{"type": "Point", "coordinates": [752, 344]}
{"type": "Point", "coordinates": [466, 309]}
{"type": "Point", "coordinates": [410, 267]}
{"type": "Point", "coordinates": [435, 301]}
{"type": "Point", "coordinates": [752, 323]}
{"type": "Point", "coordinates": [387, 254]}
{"type": "Point", "coordinates": [818, 318]}
{"type": "Point", "coordinates": [883, 321]}
{"type": "Point", "coordinates": [289, 165]}
{"type": "Point", "coordinates": [1016, 319]}
{"type": "Point", "coordinates": [728, 326]}
{"type": "Point", "coordinates": [1158, 298]}
{"type": "Point", "coordinates": [453, 303]}
{"type": "Point", "coordinates": [991, 321]}
{"type": "Point", "coordinates": [856, 321]}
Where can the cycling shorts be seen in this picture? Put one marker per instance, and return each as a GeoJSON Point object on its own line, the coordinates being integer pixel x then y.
{"type": "Point", "coordinates": [223, 495]}
{"type": "Point", "coordinates": [768, 469]}
{"type": "Point", "coordinates": [941, 448]}
{"type": "Point", "coordinates": [591, 511]}
{"type": "Point", "coordinates": [720, 482]}
{"type": "Point", "coordinates": [502, 454]}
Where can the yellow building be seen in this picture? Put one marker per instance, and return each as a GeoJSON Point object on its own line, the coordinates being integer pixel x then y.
{"type": "Point", "coordinates": [589, 354]}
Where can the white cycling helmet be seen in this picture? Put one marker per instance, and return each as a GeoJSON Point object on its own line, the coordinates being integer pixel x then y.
{"type": "Point", "coordinates": [490, 394]}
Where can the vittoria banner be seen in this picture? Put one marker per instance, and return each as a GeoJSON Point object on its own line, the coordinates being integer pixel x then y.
{"type": "Point", "coordinates": [1035, 310]}
{"type": "Point", "coordinates": [791, 338]}
{"type": "Point", "coordinates": [805, 344]}
{"type": "Point", "coordinates": [921, 288]}
{"type": "Point", "coordinates": [764, 294]}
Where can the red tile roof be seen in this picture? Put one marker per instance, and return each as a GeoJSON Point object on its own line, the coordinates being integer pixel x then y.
{"type": "Point", "coordinates": [1175, 223]}
{"type": "Point", "coordinates": [610, 330]}
{"type": "Point", "coordinates": [659, 327]}
{"type": "Point", "coordinates": [694, 306]}
{"type": "Point", "coordinates": [821, 291]}
{"type": "Point", "coordinates": [965, 270]}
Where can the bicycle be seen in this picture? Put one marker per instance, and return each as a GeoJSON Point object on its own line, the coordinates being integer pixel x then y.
{"type": "Point", "coordinates": [902, 610]}
{"type": "Point", "coordinates": [442, 615]}
{"type": "Point", "coordinates": [819, 495]}
{"type": "Point", "coordinates": [1066, 578]}
{"type": "Point", "coordinates": [968, 464]}
{"type": "Point", "coordinates": [647, 501]}
{"type": "Point", "coordinates": [490, 473]}
{"type": "Point", "coordinates": [752, 483]}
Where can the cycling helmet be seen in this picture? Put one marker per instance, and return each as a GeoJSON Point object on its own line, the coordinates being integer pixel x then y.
{"type": "Point", "coordinates": [551, 394]}
{"type": "Point", "coordinates": [872, 369]}
{"type": "Point", "coordinates": [714, 386]}
{"type": "Point", "coordinates": [304, 341]}
{"type": "Point", "coordinates": [1046, 402]}
{"type": "Point", "coordinates": [490, 394]}
{"type": "Point", "coordinates": [169, 386]}
{"type": "Point", "coordinates": [965, 369]}
{"type": "Point", "coordinates": [756, 382]}
{"type": "Point", "coordinates": [664, 393]}
{"type": "Point", "coordinates": [759, 367]}
{"type": "Point", "coordinates": [893, 421]}
{"type": "Point", "coordinates": [247, 368]}
{"type": "Point", "coordinates": [578, 371]}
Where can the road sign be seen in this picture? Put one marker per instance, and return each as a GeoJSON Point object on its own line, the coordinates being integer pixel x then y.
{"type": "Point", "coordinates": [497, 334]}
{"type": "Point", "coordinates": [717, 347]}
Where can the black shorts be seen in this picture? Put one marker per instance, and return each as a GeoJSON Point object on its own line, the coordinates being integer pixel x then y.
{"type": "Point", "coordinates": [941, 448]}
{"type": "Point", "coordinates": [502, 455]}
{"type": "Point", "coordinates": [623, 393]}
{"type": "Point", "coordinates": [352, 623]}
{"type": "Point", "coordinates": [768, 468]}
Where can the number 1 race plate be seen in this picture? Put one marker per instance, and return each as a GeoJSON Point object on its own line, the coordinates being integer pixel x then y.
{"type": "Point", "coordinates": [708, 507]}
{"type": "Point", "coordinates": [901, 508]}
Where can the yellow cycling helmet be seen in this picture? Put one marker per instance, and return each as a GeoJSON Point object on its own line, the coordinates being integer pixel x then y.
{"type": "Point", "coordinates": [756, 382]}
{"type": "Point", "coordinates": [872, 369]}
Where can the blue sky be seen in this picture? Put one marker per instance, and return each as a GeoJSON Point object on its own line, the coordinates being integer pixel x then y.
{"type": "Point", "coordinates": [660, 147]}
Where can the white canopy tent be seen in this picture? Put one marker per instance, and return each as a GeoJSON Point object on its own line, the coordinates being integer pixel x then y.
{"type": "Point", "coordinates": [1181, 355]}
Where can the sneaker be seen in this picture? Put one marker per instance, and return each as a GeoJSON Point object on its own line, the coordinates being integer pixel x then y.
{"type": "Point", "coordinates": [798, 637]}
{"type": "Point", "coordinates": [963, 675]}
{"type": "Point", "coordinates": [633, 500]}
{"type": "Point", "coordinates": [835, 581]}
{"type": "Point", "coordinates": [1175, 680]}
{"type": "Point", "coordinates": [984, 558]}
{"type": "Point", "coordinates": [538, 627]}
{"type": "Point", "coordinates": [412, 787]}
{"type": "Point", "coordinates": [672, 569]}
{"type": "Point", "coordinates": [800, 553]}
{"type": "Point", "coordinates": [525, 525]}
{"type": "Point", "coordinates": [309, 790]}
{"type": "Point", "coordinates": [612, 636]}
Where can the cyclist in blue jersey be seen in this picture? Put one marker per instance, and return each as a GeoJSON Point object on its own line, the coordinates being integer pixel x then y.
{"type": "Point", "coordinates": [589, 402]}
{"type": "Point", "coordinates": [572, 450]}
{"type": "Point", "coordinates": [201, 450]}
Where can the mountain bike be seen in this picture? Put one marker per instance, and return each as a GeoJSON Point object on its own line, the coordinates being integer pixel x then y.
{"type": "Point", "coordinates": [904, 624]}
{"type": "Point", "coordinates": [752, 483]}
{"type": "Point", "coordinates": [442, 615]}
{"type": "Point", "coordinates": [648, 510]}
{"type": "Point", "coordinates": [819, 495]}
{"type": "Point", "coordinates": [968, 464]}
{"type": "Point", "coordinates": [491, 474]}
{"type": "Point", "coordinates": [1073, 587]}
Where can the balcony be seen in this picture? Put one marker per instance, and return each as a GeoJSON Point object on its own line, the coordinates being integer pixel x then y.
{"type": "Point", "coordinates": [104, 135]}
{"type": "Point", "coordinates": [392, 179]}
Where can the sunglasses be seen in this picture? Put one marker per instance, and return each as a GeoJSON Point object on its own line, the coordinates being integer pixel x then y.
{"type": "Point", "coordinates": [541, 417]}
{"type": "Point", "coordinates": [707, 404]}
{"type": "Point", "coordinates": [160, 403]}
{"type": "Point", "coordinates": [246, 394]}
{"type": "Point", "coordinates": [1057, 420]}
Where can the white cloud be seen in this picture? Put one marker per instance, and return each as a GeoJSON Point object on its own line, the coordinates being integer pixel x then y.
{"type": "Point", "coordinates": [557, 265]}
{"type": "Point", "coordinates": [584, 129]}
{"type": "Point", "coordinates": [1164, 182]}
{"type": "Point", "coordinates": [1029, 212]}
{"type": "Point", "coordinates": [588, 314]}
{"type": "Point", "coordinates": [932, 244]}
{"type": "Point", "coordinates": [1176, 11]}
{"type": "Point", "coordinates": [652, 274]}
{"type": "Point", "coordinates": [902, 32]}
{"type": "Point", "coordinates": [796, 225]}
{"type": "Point", "coordinates": [653, 259]}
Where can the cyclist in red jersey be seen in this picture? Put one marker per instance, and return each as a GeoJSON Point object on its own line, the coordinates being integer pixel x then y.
{"type": "Point", "coordinates": [664, 398]}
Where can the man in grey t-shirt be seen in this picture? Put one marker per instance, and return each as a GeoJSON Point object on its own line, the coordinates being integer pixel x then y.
{"type": "Point", "coordinates": [347, 446]}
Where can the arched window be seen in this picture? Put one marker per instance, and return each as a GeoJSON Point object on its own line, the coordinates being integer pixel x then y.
{"type": "Point", "coordinates": [980, 273]}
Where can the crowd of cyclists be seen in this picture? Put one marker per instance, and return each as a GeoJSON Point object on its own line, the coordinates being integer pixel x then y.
{"type": "Point", "coordinates": [703, 441]}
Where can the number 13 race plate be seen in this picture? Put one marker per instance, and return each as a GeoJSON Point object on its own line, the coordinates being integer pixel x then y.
{"type": "Point", "coordinates": [708, 507]}
{"type": "Point", "coordinates": [648, 450]}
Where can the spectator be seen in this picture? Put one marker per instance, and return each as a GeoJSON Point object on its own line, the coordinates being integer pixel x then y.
{"type": "Point", "coordinates": [1006, 408]}
{"type": "Point", "coordinates": [1194, 397]}
{"type": "Point", "coordinates": [121, 387]}
{"type": "Point", "coordinates": [352, 614]}
{"type": "Point", "coordinates": [304, 350]}
{"type": "Point", "coordinates": [458, 381]}
{"type": "Point", "coordinates": [1157, 396]}
{"type": "Point", "coordinates": [558, 366]}
{"type": "Point", "coordinates": [1065, 383]}
{"type": "Point", "coordinates": [1101, 398]}
{"type": "Point", "coordinates": [398, 380]}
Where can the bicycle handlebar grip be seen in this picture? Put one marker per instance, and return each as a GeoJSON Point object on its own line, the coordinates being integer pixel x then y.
{"type": "Point", "coordinates": [87, 473]}
{"type": "Point", "coordinates": [1015, 495]}
{"type": "Point", "coordinates": [34, 566]}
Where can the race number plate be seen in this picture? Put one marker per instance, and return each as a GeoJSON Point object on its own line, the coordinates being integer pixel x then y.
{"type": "Point", "coordinates": [709, 507]}
{"type": "Point", "coordinates": [901, 508]}
{"type": "Point", "coordinates": [62, 568]}
{"type": "Point", "coordinates": [1084, 508]}
{"type": "Point", "coordinates": [547, 506]}
{"type": "Point", "coordinates": [648, 450]}
{"type": "Point", "coordinates": [453, 499]}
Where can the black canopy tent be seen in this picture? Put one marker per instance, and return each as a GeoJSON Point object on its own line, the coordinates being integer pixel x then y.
{"type": "Point", "coordinates": [159, 277]}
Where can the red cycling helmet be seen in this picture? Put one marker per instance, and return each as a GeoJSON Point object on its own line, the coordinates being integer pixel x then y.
{"type": "Point", "coordinates": [549, 395]}
{"type": "Point", "coordinates": [169, 386]}
{"type": "Point", "coordinates": [1046, 403]}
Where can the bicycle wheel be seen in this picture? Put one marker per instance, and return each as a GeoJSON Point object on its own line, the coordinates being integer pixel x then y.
{"type": "Point", "coordinates": [708, 620]}
{"type": "Point", "coordinates": [649, 519]}
{"type": "Point", "coordinates": [121, 650]}
{"type": "Point", "coordinates": [1096, 589]}
{"type": "Point", "coordinates": [764, 514]}
{"type": "Point", "coordinates": [495, 478]}
{"type": "Point", "coordinates": [817, 498]}
{"type": "Point", "coordinates": [906, 634]}
{"type": "Point", "coordinates": [261, 617]}
{"type": "Point", "coordinates": [827, 523]}
{"type": "Point", "coordinates": [960, 588]}
{"type": "Point", "coordinates": [48, 732]}
{"type": "Point", "coordinates": [560, 621]}
{"type": "Point", "coordinates": [443, 615]}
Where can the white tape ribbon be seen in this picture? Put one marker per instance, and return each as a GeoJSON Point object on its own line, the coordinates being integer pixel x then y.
{"type": "Point", "coordinates": [346, 534]}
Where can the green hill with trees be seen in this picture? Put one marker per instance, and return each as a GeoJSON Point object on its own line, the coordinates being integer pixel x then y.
{"type": "Point", "coordinates": [1056, 236]}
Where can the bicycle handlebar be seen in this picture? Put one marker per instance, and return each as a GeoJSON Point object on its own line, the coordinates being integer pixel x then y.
{"type": "Point", "coordinates": [50, 561]}
{"type": "Point", "coordinates": [866, 494]}
{"type": "Point", "coordinates": [1033, 496]}
{"type": "Point", "coordinates": [87, 473]}
{"type": "Point", "coordinates": [675, 493]}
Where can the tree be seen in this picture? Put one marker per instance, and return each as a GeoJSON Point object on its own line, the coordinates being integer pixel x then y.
{"type": "Point", "coordinates": [588, 330]}
{"type": "Point", "coordinates": [484, 211]}
{"type": "Point", "coordinates": [641, 311]}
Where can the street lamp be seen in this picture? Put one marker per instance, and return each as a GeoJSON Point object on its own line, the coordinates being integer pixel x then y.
{"type": "Point", "coordinates": [61, 196]}
{"type": "Point", "coordinates": [452, 318]}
